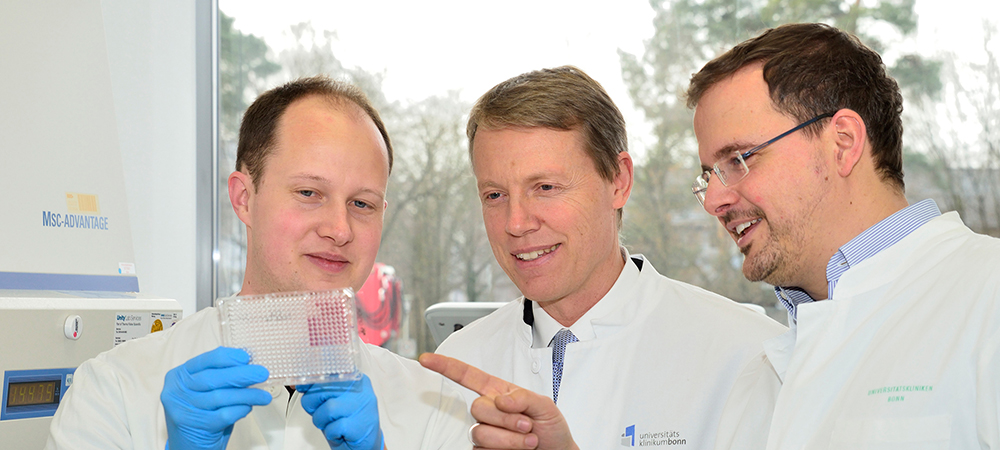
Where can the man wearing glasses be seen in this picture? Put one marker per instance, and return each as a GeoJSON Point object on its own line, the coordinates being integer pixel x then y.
{"type": "Point", "coordinates": [894, 308]}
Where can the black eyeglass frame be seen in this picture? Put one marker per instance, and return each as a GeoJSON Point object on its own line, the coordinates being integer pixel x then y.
{"type": "Point", "coordinates": [700, 184]}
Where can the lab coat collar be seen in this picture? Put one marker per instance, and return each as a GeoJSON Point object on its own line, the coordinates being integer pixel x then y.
{"type": "Point", "coordinates": [914, 245]}
{"type": "Point", "coordinates": [779, 350]}
{"type": "Point", "coordinates": [879, 237]}
{"type": "Point", "coordinates": [604, 312]}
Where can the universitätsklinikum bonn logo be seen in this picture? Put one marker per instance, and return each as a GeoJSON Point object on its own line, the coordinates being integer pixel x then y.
{"type": "Point", "coordinates": [628, 437]}
{"type": "Point", "coordinates": [652, 438]}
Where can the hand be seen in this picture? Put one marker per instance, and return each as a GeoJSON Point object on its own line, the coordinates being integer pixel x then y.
{"type": "Point", "coordinates": [510, 417]}
{"type": "Point", "coordinates": [346, 412]}
{"type": "Point", "coordinates": [206, 395]}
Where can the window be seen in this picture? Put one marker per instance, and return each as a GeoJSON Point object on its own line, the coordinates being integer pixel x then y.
{"type": "Point", "coordinates": [425, 63]}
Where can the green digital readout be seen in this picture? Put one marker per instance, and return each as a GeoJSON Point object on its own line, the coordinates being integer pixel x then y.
{"type": "Point", "coordinates": [33, 393]}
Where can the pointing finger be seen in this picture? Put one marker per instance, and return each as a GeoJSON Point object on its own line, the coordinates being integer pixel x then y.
{"type": "Point", "coordinates": [470, 377]}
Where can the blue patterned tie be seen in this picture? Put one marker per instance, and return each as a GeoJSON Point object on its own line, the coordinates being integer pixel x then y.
{"type": "Point", "coordinates": [558, 345]}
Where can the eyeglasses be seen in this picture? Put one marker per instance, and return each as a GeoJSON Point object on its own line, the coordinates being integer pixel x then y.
{"type": "Point", "coordinates": [732, 169]}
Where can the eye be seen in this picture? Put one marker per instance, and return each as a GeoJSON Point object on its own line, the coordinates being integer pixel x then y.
{"type": "Point", "coordinates": [492, 197]}
{"type": "Point", "coordinates": [361, 204]}
{"type": "Point", "coordinates": [546, 187]}
{"type": "Point", "coordinates": [307, 193]}
{"type": "Point", "coordinates": [731, 163]}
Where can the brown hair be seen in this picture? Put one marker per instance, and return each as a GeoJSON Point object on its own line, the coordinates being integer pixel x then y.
{"type": "Point", "coordinates": [257, 131]}
{"type": "Point", "coordinates": [563, 98]}
{"type": "Point", "coordinates": [813, 68]}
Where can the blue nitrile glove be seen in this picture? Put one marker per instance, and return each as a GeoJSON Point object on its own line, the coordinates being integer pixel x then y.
{"type": "Point", "coordinates": [346, 412]}
{"type": "Point", "coordinates": [206, 395]}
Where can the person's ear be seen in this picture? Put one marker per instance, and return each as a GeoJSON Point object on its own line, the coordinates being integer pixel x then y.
{"type": "Point", "coordinates": [240, 189]}
{"type": "Point", "coordinates": [850, 138]}
{"type": "Point", "coordinates": [623, 180]}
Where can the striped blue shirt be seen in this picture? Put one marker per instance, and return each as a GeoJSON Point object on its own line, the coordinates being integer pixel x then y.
{"type": "Point", "coordinates": [879, 237]}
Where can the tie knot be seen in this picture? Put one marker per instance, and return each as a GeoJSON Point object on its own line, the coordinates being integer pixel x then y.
{"type": "Point", "coordinates": [563, 337]}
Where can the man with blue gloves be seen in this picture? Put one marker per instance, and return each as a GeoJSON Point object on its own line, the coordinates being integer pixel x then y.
{"type": "Point", "coordinates": [312, 167]}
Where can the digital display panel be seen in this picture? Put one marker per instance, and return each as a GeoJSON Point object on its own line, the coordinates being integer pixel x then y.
{"type": "Point", "coordinates": [33, 393]}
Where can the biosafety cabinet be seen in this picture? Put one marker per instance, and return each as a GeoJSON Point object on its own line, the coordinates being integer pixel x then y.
{"type": "Point", "coordinates": [68, 282]}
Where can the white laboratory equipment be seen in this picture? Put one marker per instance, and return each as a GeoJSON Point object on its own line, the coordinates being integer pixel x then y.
{"type": "Point", "coordinates": [68, 282]}
{"type": "Point", "coordinates": [448, 317]}
{"type": "Point", "coordinates": [47, 334]}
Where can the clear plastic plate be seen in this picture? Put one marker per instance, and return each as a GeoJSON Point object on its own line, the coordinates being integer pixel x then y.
{"type": "Point", "coordinates": [300, 337]}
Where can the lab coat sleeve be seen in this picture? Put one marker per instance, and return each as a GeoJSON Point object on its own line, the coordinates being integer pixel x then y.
{"type": "Point", "coordinates": [92, 413]}
{"type": "Point", "coordinates": [448, 430]}
{"type": "Point", "coordinates": [418, 408]}
{"type": "Point", "coordinates": [746, 418]}
{"type": "Point", "coordinates": [988, 400]}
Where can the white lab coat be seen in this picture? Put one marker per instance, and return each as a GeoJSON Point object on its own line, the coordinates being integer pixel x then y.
{"type": "Point", "coordinates": [114, 402]}
{"type": "Point", "coordinates": [663, 361]}
{"type": "Point", "coordinates": [905, 356]}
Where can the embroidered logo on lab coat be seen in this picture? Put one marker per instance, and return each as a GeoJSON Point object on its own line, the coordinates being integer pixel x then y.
{"type": "Point", "coordinates": [899, 393]}
{"type": "Point", "coordinates": [641, 438]}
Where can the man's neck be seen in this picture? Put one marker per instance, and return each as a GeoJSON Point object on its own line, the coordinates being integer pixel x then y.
{"type": "Point", "coordinates": [571, 308]}
{"type": "Point", "coordinates": [567, 311]}
{"type": "Point", "coordinates": [865, 215]}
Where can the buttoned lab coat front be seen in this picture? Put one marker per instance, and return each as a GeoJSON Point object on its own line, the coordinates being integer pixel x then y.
{"type": "Point", "coordinates": [656, 375]}
{"type": "Point", "coordinates": [906, 355]}
{"type": "Point", "coordinates": [114, 402]}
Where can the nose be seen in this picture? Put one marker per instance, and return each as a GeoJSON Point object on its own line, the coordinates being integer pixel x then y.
{"type": "Point", "coordinates": [335, 225]}
{"type": "Point", "coordinates": [719, 197]}
{"type": "Point", "coordinates": [520, 218]}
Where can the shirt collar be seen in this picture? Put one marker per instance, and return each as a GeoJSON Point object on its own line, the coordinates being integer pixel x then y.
{"type": "Point", "coordinates": [545, 327]}
{"type": "Point", "coordinates": [879, 237]}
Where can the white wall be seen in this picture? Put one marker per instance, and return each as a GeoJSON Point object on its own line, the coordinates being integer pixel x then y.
{"type": "Point", "coordinates": [151, 51]}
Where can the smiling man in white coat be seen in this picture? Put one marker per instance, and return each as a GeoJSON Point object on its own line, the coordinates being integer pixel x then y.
{"type": "Point", "coordinates": [894, 308]}
{"type": "Point", "coordinates": [630, 357]}
{"type": "Point", "coordinates": [310, 181]}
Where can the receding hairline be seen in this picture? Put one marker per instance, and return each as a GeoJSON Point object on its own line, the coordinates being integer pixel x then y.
{"type": "Point", "coordinates": [337, 103]}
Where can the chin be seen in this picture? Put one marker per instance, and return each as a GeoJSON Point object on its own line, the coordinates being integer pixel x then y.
{"type": "Point", "coordinates": [329, 287]}
{"type": "Point", "coordinates": [541, 296]}
{"type": "Point", "coordinates": [753, 271]}
{"type": "Point", "coordinates": [751, 277]}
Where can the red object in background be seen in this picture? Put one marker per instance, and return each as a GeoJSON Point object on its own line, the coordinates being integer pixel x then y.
{"type": "Point", "coordinates": [380, 305]}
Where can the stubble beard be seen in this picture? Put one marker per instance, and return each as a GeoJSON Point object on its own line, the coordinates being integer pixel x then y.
{"type": "Point", "coordinates": [762, 265]}
{"type": "Point", "coordinates": [767, 260]}
{"type": "Point", "coordinates": [779, 259]}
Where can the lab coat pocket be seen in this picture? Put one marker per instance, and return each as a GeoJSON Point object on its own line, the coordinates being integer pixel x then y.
{"type": "Point", "coordinates": [892, 433]}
